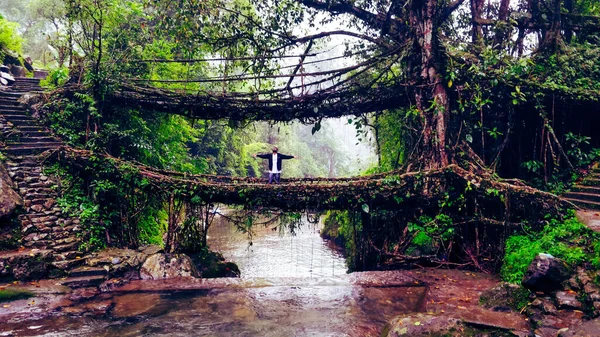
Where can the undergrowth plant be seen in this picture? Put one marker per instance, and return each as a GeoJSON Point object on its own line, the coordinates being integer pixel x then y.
{"type": "Point", "coordinates": [567, 239]}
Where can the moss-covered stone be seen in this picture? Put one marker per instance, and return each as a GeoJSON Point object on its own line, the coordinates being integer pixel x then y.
{"type": "Point", "coordinates": [505, 295]}
{"type": "Point", "coordinates": [213, 264]}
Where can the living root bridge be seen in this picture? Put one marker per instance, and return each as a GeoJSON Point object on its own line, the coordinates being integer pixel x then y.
{"type": "Point", "coordinates": [504, 201]}
{"type": "Point", "coordinates": [244, 106]}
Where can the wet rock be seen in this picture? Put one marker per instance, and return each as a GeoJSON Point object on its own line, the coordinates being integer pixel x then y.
{"type": "Point", "coordinates": [48, 204]}
{"type": "Point", "coordinates": [118, 261]}
{"type": "Point", "coordinates": [9, 199]}
{"type": "Point", "coordinates": [25, 265]}
{"type": "Point", "coordinates": [164, 266]}
{"type": "Point", "coordinates": [551, 325]}
{"type": "Point", "coordinates": [83, 293]}
{"type": "Point", "coordinates": [99, 308]}
{"type": "Point", "coordinates": [132, 305]}
{"type": "Point", "coordinates": [30, 270]}
{"type": "Point", "coordinates": [37, 208]}
{"type": "Point", "coordinates": [152, 249]}
{"type": "Point", "coordinates": [221, 269]}
{"type": "Point", "coordinates": [573, 284]}
{"type": "Point", "coordinates": [213, 265]}
{"type": "Point", "coordinates": [568, 300]}
{"type": "Point", "coordinates": [587, 329]}
{"type": "Point", "coordinates": [420, 324]}
{"type": "Point", "coordinates": [94, 308]}
{"type": "Point", "coordinates": [505, 296]}
{"type": "Point", "coordinates": [112, 284]}
{"type": "Point", "coordinates": [545, 273]}
{"type": "Point", "coordinates": [548, 307]}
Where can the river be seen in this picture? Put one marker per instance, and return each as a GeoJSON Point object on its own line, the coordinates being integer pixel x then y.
{"type": "Point", "coordinates": [276, 252]}
{"type": "Point", "coordinates": [291, 285]}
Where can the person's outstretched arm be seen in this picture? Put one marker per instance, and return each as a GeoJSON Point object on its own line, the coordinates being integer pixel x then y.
{"type": "Point", "coordinates": [285, 156]}
{"type": "Point", "coordinates": [262, 155]}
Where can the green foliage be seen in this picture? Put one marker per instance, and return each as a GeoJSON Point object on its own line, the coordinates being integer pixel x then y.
{"type": "Point", "coordinates": [56, 78]}
{"type": "Point", "coordinates": [579, 151]}
{"type": "Point", "coordinates": [9, 38]}
{"type": "Point", "coordinates": [430, 230]}
{"type": "Point", "coordinates": [113, 204]}
{"type": "Point", "coordinates": [342, 228]}
{"type": "Point", "coordinates": [152, 226]}
{"type": "Point", "coordinates": [9, 294]}
{"type": "Point", "coordinates": [569, 240]}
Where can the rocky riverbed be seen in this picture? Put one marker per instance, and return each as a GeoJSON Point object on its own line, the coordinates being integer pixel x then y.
{"type": "Point", "coordinates": [396, 303]}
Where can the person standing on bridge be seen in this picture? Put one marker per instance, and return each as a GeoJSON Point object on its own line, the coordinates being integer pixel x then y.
{"type": "Point", "coordinates": [275, 160]}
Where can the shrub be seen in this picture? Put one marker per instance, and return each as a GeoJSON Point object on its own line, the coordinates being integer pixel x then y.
{"type": "Point", "coordinates": [569, 240]}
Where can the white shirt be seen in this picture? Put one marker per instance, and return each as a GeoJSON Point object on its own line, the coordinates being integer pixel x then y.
{"type": "Point", "coordinates": [274, 166]}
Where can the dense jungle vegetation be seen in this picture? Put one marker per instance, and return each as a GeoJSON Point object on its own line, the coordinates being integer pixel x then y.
{"type": "Point", "coordinates": [504, 88]}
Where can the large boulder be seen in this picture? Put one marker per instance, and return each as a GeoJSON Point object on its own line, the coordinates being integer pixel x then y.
{"type": "Point", "coordinates": [164, 266]}
{"type": "Point", "coordinates": [546, 273]}
{"type": "Point", "coordinates": [25, 265]}
{"type": "Point", "coordinates": [9, 199]}
{"type": "Point", "coordinates": [118, 262]}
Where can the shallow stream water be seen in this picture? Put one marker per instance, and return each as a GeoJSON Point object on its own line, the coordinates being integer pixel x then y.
{"type": "Point", "coordinates": [291, 285]}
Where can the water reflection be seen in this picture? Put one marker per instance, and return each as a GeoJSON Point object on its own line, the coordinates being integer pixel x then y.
{"type": "Point", "coordinates": [275, 252]}
{"type": "Point", "coordinates": [341, 310]}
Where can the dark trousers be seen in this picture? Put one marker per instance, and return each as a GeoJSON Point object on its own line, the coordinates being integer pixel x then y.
{"type": "Point", "coordinates": [274, 177]}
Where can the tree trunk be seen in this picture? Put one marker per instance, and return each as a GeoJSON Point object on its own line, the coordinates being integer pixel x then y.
{"type": "Point", "coordinates": [477, 32]}
{"type": "Point", "coordinates": [431, 96]}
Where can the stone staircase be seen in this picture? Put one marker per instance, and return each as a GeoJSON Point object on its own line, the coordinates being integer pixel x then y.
{"type": "Point", "coordinates": [586, 194]}
{"type": "Point", "coordinates": [44, 225]}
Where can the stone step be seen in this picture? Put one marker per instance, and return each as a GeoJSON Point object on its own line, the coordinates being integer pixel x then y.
{"type": "Point", "coordinates": [10, 94]}
{"type": "Point", "coordinates": [69, 255]}
{"type": "Point", "coordinates": [38, 184]}
{"type": "Point", "coordinates": [23, 121]}
{"type": "Point", "coordinates": [10, 117]}
{"type": "Point", "coordinates": [66, 247]}
{"type": "Point", "coordinates": [27, 151]}
{"type": "Point", "coordinates": [10, 103]}
{"type": "Point", "coordinates": [41, 244]}
{"type": "Point", "coordinates": [8, 97]}
{"type": "Point", "coordinates": [52, 143]}
{"type": "Point", "coordinates": [22, 79]}
{"type": "Point", "coordinates": [68, 264]}
{"type": "Point", "coordinates": [38, 139]}
{"type": "Point", "coordinates": [20, 112]}
{"type": "Point", "coordinates": [583, 196]}
{"type": "Point", "coordinates": [592, 181]}
{"type": "Point", "coordinates": [36, 133]}
{"type": "Point", "coordinates": [8, 106]}
{"type": "Point", "coordinates": [84, 281]}
{"type": "Point", "coordinates": [25, 128]}
{"type": "Point", "coordinates": [585, 204]}
{"type": "Point", "coordinates": [88, 271]}
{"type": "Point", "coordinates": [41, 191]}
{"type": "Point", "coordinates": [586, 189]}
{"type": "Point", "coordinates": [24, 89]}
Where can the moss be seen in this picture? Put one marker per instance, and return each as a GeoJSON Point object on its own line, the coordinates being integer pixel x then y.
{"type": "Point", "coordinates": [505, 295]}
{"type": "Point", "coordinates": [569, 240]}
{"type": "Point", "coordinates": [212, 265]}
{"type": "Point", "coordinates": [8, 294]}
